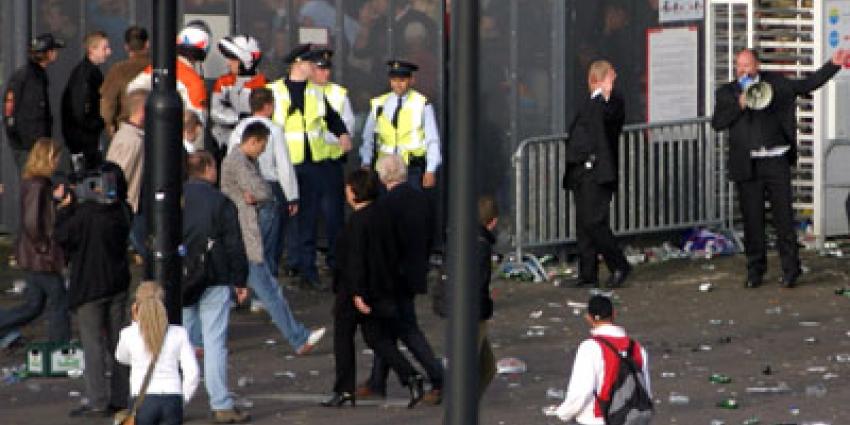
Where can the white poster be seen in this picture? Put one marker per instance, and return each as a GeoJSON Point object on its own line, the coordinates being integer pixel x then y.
{"type": "Point", "coordinates": [672, 71]}
{"type": "Point", "coordinates": [680, 10]}
{"type": "Point", "coordinates": [837, 30]}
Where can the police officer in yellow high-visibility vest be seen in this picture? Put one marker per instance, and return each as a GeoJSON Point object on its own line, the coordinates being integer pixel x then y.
{"type": "Point", "coordinates": [305, 114]}
{"type": "Point", "coordinates": [402, 122]}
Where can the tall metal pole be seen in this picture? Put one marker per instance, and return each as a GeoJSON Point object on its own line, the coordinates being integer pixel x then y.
{"type": "Point", "coordinates": [163, 160]}
{"type": "Point", "coordinates": [462, 408]}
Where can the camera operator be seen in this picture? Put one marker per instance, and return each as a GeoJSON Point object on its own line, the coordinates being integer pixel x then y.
{"type": "Point", "coordinates": [92, 225]}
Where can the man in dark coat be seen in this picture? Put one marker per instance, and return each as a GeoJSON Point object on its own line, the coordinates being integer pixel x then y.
{"type": "Point", "coordinates": [407, 214]}
{"type": "Point", "coordinates": [26, 108]}
{"type": "Point", "coordinates": [81, 119]}
{"type": "Point", "coordinates": [211, 228]}
{"type": "Point", "coordinates": [366, 284]}
{"type": "Point", "coordinates": [591, 175]}
{"type": "Point", "coordinates": [762, 149]}
{"type": "Point", "coordinates": [94, 231]}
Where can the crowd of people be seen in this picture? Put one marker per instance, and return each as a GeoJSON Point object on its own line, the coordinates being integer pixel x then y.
{"type": "Point", "coordinates": [272, 171]}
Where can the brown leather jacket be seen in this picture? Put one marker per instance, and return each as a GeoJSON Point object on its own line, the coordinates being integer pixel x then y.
{"type": "Point", "coordinates": [36, 250]}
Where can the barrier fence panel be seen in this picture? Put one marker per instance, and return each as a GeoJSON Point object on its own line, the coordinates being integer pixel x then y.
{"type": "Point", "coordinates": [672, 175]}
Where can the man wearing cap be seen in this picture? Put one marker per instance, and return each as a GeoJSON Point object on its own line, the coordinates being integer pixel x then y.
{"type": "Point", "coordinates": [596, 366]}
{"type": "Point", "coordinates": [402, 122]}
{"type": "Point", "coordinates": [26, 109]}
{"type": "Point", "coordinates": [81, 119]}
{"type": "Point", "coordinates": [306, 115]}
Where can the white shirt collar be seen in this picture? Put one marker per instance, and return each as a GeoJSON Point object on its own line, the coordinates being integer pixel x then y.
{"type": "Point", "coordinates": [597, 92]}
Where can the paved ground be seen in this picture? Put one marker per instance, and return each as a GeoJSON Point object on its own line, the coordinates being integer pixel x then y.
{"type": "Point", "coordinates": [689, 335]}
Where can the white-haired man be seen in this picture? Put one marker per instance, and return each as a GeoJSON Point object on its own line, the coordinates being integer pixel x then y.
{"type": "Point", "coordinates": [408, 208]}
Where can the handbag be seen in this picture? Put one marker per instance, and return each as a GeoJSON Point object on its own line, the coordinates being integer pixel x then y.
{"type": "Point", "coordinates": [128, 417]}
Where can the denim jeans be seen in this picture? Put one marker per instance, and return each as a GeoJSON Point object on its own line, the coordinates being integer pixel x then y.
{"type": "Point", "coordinates": [265, 286]}
{"type": "Point", "coordinates": [138, 232]}
{"type": "Point", "coordinates": [160, 409]}
{"type": "Point", "coordinates": [273, 217]}
{"type": "Point", "coordinates": [45, 293]}
{"type": "Point", "coordinates": [207, 323]}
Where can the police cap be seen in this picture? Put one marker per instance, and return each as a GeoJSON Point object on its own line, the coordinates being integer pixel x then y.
{"type": "Point", "coordinates": [399, 68]}
{"type": "Point", "coordinates": [298, 54]}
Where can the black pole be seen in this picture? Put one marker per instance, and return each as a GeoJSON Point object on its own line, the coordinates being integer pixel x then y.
{"type": "Point", "coordinates": [163, 160]}
{"type": "Point", "coordinates": [462, 406]}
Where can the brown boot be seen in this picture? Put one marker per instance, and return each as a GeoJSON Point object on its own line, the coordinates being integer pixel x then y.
{"type": "Point", "coordinates": [232, 416]}
{"type": "Point", "coordinates": [433, 397]}
{"type": "Point", "coordinates": [363, 392]}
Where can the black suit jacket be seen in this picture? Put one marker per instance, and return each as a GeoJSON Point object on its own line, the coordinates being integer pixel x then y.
{"type": "Point", "coordinates": [407, 212]}
{"type": "Point", "coordinates": [594, 134]}
{"type": "Point", "coordinates": [81, 120]}
{"type": "Point", "coordinates": [775, 125]}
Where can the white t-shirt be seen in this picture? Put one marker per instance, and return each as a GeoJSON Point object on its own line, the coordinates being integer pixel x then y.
{"type": "Point", "coordinates": [177, 354]}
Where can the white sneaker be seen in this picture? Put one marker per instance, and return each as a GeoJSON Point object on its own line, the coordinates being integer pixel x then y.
{"type": "Point", "coordinates": [312, 340]}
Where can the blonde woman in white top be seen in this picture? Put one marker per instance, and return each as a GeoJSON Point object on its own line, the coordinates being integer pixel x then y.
{"type": "Point", "coordinates": [151, 337]}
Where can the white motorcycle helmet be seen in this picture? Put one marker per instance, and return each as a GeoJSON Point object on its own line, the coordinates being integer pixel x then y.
{"type": "Point", "coordinates": [193, 41]}
{"type": "Point", "coordinates": [245, 49]}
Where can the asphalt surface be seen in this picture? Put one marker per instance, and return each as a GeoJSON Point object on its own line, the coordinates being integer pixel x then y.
{"type": "Point", "coordinates": [764, 337]}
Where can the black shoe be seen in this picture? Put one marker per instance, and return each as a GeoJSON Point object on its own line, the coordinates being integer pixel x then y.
{"type": "Point", "coordinates": [753, 282]}
{"type": "Point", "coordinates": [790, 281]}
{"type": "Point", "coordinates": [416, 390]}
{"type": "Point", "coordinates": [338, 399]}
{"type": "Point", "coordinates": [618, 277]}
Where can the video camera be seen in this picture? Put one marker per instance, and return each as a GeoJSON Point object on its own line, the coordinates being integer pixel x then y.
{"type": "Point", "coordinates": [98, 185]}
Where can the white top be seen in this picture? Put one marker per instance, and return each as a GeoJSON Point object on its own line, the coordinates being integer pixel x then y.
{"type": "Point", "coordinates": [588, 376]}
{"type": "Point", "coordinates": [433, 157]}
{"type": "Point", "coordinates": [274, 161]}
{"type": "Point", "coordinates": [177, 354]}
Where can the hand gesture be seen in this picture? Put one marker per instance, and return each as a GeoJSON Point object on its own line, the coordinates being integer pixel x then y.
{"type": "Point", "coordinates": [249, 198]}
{"type": "Point", "coordinates": [839, 57]}
{"type": "Point", "coordinates": [429, 180]}
{"type": "Point", "coordinates": [241, 295]}
{"type": "Point", "coordinates": [361, 305]}
{"type": "Point", "coordinates": [345, 142]}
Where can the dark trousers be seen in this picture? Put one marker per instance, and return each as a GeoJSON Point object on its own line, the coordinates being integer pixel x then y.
{"type": "Point", "coordinates": [593, 230]}
{"type": "Point", "coordinates": [20, 157]}
{"type": "Point", "coordinates": [45, 292]}
{"type": "Point", "coordinates": [345, 327]}
{"type": "Point", "coordinates": [320, 191]}
{"type": "Point", "coordinates": [406, 328]}
{"type": "Point", "coordinates": [160, 409]}
{"type": "Point", "coordinates": [379, 334]}
{"type": "Point", "coordinates": [100, 324]}
{"type": "Point", "coordinates": [772, 181]}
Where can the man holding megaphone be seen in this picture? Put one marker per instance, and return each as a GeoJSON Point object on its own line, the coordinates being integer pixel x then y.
{"type": "Point", "coordinates": [759, 111]}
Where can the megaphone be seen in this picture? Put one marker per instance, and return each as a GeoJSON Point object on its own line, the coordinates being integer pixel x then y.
{"type": "Point", "coordinates": [758, 95]}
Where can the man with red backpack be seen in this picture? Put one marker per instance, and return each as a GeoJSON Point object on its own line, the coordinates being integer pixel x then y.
{"type": "Point", "coordinates": [610, 379]}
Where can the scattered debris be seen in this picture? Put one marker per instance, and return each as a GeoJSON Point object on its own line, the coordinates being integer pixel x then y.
{"type": "Point", "coordinates": [510, 366]}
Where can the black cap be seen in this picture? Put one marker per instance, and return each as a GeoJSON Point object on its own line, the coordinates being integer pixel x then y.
{"type": "Point", "coordinates": [322, 58]}
{"type": "Point", "coordinates": [400, 68]}
{"type": "Point", "coordinates": [600, 307]}
{"type": "Point", "coordinates": [45, 42]}
{"type": "Point", "coordinates": [300, 53]}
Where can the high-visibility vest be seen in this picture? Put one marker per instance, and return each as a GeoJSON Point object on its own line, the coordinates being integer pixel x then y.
{"type": "Point", "coordinates": [335, 94]}
{"type": "Point", "coordinates": [297, 124]}
{"type": "Point", "coordinates": [408, 139]}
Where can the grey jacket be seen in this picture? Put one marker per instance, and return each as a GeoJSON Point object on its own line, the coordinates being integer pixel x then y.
{"type": "Point", "coordinates": [240, 174]}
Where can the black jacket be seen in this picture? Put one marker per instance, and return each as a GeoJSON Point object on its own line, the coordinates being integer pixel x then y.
{"type": "Point", "coordinates": [208, 214]}
{"type": "Point", "coordinates": [594, 135]}
{"type": "Point", "coordinates": [95, 238]}
{"type": "Point", "coordinates": [486, 239]}
{"type": "Point", "coordinates": [28, 116]}
{"type": "Point", "coordinates": [773, 126]}
{"type": "Point", "coordinates": [366, 261]}
{"type": "Point", "coordinates": [81, 120]}
{"type": "Point", "coordinates": [408, 214]}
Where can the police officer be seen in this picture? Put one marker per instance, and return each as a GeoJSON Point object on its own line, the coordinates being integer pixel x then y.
{"type": "Point", "coordinates": [402, 122]}
{"type": "Point", "coordinates": [305, 114]}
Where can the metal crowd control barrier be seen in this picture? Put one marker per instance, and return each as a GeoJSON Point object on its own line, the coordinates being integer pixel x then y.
{"type": "Point", "coordinates": [672, 175]}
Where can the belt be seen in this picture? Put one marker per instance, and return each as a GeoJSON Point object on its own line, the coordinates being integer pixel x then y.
{"type": "Point", "coordinates": [417, 161]}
